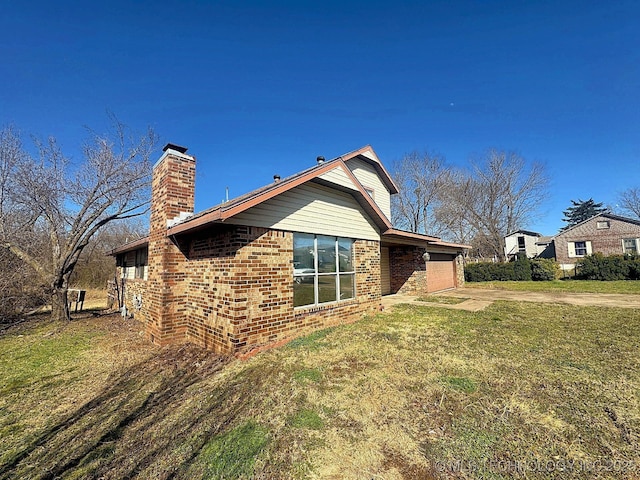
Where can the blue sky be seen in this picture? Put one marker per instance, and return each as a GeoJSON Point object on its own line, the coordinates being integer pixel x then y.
{"type": "Point", "coordinates": [259, 88]}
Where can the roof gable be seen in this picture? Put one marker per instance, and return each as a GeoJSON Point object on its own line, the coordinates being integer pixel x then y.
{"type": "Point", "coordinates": [367, 154]}
{"type": "Point", "coordinates": [601, 215]}
{"type": "Point", "coordinates": [524, 232]}
{"type": "Point", "coordinates": [334, 172]}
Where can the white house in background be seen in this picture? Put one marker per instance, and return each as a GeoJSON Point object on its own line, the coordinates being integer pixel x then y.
{"type": "Point", "coordinates": [532, 244]}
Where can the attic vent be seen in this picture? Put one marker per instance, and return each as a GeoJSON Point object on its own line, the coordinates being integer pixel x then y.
{"type": "Point", "coordinates": [276, 178]}
{"type": "Point", "coordinates": [175, 147]}
{"type": "Point", "coordinates": [320, 160]}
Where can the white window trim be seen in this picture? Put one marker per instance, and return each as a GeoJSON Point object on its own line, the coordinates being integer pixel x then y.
{"type": "Point", "coordinates": [571, 247]}
{"type": "Point", "coordinates": [637, 241]}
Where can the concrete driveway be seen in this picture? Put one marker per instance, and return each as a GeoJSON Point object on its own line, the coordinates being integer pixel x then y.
{"type": "Point", "coordinates": [478, 298]}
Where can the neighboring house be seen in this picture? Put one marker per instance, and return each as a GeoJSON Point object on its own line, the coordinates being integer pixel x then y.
{"type": "Point", "coordinates": [604, 233]}
{"type": "Point", "coordinates": [305, 252]}
{"type": "Point", "coordinates": [532, 244]}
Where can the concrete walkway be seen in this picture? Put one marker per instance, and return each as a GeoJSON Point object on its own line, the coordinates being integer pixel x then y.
{"type": "Point", "coordinates": [479, 299]}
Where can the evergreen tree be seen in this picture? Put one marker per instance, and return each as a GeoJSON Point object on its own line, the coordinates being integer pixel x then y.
{"type": "Point", "coordinates": [580, 211]}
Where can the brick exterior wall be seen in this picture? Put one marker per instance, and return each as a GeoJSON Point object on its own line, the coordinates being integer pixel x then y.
{"type": "Point", "coordinates": [408, 270]}
{"type": "Point", "coordinates": [239, 289]}
{"type": "Point", "coordinates": [606, 241]}
{"type": "Point", "coordinates": [132, 288]}
{"type": "Point", "coordinates": [173, 193]}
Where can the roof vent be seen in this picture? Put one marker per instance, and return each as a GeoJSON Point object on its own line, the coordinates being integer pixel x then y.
{"type": "Point", "coordinates": [320, 160]}
{"type": "Point", "coordinates": [175, 147]}
{"type": "Point", "coordinates": [276, 178]}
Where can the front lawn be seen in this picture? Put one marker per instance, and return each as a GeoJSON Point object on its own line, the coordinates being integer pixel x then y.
{"type": "Point", "coordinates": [568, 286]}
{"type": "Point", "coordinates": [519, 390]}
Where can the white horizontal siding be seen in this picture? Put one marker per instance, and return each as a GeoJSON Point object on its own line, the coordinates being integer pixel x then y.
{"type": "Point", "coordinates": [368, 177]}
{"type": "Point", "coordinates": [339, 177]}
{"type": "Point", "coordinates": [311, 208]}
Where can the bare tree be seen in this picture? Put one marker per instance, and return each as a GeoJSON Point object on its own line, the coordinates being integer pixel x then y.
{"type": "Point", "coordinates": [94, 267]}
{"type": "Point", "coordinates": [421, 179]}
{"type": "Point", "coordinates": [51, 208]}
{"type": "Point", "coordinates": [498, 195]}
{"type": "Point", "coordinates": [629, 201]}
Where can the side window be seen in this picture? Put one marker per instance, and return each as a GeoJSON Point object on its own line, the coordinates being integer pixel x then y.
{"type": "Point", "coordinates": [141, 263]}
{"type": "Point", "coordinates": [579, 248]}
{"type": "Point", "coordinates": [630, 245]}
{"type": "Point", "coordinates": [323, 269]}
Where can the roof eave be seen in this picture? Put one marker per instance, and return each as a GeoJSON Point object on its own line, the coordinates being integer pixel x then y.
{"type": "Point", "coordinates": [128, 247]}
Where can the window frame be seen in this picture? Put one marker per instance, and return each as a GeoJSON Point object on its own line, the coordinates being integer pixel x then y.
{"type": "Point", "coordinates": [636, 243]}
{"type": "Point", "coordinates": [583, 247]}
{"type": "Point", "coordinates": [337, 273]}
{"type": "Point", "coordinates": [371, 191]}
{"type": "Point", "coordinates": [575, 251]}
{"type": "Point", "coordinates": [142, 260]}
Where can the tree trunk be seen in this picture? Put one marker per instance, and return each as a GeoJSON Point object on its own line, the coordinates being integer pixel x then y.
{"type": "Point", "coordinates": [60, 305]}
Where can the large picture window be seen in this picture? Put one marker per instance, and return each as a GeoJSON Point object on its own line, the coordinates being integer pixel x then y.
{"type": "Point", "coordinates": [322, 269]}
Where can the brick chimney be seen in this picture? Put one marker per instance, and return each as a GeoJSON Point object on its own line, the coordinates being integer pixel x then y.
{"type": "Point", "coordinates": [172, 197]}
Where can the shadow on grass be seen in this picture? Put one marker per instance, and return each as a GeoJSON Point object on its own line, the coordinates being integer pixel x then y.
{"type": "Point", "coordinates": [145, 423]}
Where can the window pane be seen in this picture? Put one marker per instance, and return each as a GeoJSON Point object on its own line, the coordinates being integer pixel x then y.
{"type": "Point", "coordinates": [303, 253]}
{"type": "Point", "coordinates": [581, 248]}
{"type": "Point", "coordinates": [629, 245]}
{"type": "Point", "coordinates": [345, 254]}
{"type": "Point", "coordinates": [326, 288]}
{"type": "Point", "coordinates": [326, 254]}
{"type": "Point", "coordinates": [303, 293]}
{"type": "Point", "coordinates": [346, 286]}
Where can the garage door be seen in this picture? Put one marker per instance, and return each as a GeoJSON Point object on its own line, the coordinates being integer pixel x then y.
{"type": "Point", "coordinates": [441, 272]}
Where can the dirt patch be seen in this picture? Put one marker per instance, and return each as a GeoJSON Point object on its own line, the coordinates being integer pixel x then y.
{"type": "Point", "coordinates": [408, 470]}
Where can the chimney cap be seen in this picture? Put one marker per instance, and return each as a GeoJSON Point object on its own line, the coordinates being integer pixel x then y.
{"type": "Point", "coordinates": [175, 147]}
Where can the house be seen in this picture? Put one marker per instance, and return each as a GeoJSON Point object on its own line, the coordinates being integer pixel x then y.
{"type": "Point", "coordinates": [305, 252]}
{"type": "Point", "coordinates": [531, 244]}
{"type": "Point", "coordinates": [604, 233]}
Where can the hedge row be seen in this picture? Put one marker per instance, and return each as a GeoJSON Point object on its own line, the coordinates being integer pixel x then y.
{"type": "Point", "coordinates": [610, 267]}
{"type": "Point", "coordinates": [522, 269]}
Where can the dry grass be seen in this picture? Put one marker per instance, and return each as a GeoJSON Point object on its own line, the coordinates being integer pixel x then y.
{"type": "Point", "coordinates": [95, 300]}
{"type": "Point", "coordinates": [442, 300]}
{"type": "Point", "coordinates": [420, 392]}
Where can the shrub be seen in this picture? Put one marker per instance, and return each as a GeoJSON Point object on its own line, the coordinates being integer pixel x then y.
{"type": "Point", "coordinates": [485, 272]}
{"type": "Point", "coordinates": [522, 268]}
{"type": "Point", "coordinates": [611, 267]}
{"type": "Point", "coordinates": [544, 269]}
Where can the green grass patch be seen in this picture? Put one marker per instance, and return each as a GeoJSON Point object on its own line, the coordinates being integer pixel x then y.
{"type": "Point", "coordinates": [40, 357]}
{"type": "Point", "coordinates": [631, 287]}
{"type": "Point", "coordinates": [313, 340]}
{"type": "Point", "coordinates": [233, 454]}
{"type": "Point", "coordinates": [307, 418]}
{"type": "Point", "coordinates": [462, 384]}
{"type": "Point", "coordinates": [308, 374]}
